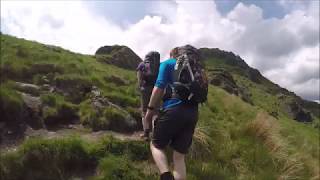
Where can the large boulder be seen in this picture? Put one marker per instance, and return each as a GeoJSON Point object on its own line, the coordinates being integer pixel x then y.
{"type": "Point", "coordinates": [120, 56]}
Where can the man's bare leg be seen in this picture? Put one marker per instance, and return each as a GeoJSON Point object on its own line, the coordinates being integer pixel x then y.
{"type": "Point", "coordinates": [160, 159]}
{"type": "Point", "coordinates": [179, 170]}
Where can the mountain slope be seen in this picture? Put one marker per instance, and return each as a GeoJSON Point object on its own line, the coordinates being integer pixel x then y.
{"type": "Point", "coordinates": [237, 136]}
{"type": "Point", "coordinates": [274, 99]}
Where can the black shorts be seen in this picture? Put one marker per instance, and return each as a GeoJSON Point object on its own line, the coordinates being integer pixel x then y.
{"type": "Point", "coordinates": [175, 127]}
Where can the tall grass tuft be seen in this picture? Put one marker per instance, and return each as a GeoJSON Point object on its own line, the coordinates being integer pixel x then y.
{"type": "Point", "coordinates": [201, 147]}
{"type": "Point", "coordinates": [267, 129]}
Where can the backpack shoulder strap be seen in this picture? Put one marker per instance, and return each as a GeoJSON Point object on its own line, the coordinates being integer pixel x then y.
{"type": "Point", "coordinates": [181, 64]}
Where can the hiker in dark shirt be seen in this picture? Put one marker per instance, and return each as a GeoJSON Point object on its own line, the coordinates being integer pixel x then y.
{"type": "Point", "coordinates": [147, 72]}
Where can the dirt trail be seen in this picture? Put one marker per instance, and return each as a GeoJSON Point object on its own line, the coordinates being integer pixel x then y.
{"type": "Point", "coordinates": [70, 130]}
{"type": "Point", "coordinates": [80, 131]}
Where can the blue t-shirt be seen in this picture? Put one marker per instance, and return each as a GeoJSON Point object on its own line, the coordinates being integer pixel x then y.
{"type": "Point", "coordinates": [165, 77]}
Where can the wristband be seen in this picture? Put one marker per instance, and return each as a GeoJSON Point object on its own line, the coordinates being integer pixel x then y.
{"type": "Point", "coordinates": [150, 108]}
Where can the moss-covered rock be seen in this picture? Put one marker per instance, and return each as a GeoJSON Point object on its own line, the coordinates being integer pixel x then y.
{"type": "Point", "coordinates": [57, 111]}
{"type": "Point", "coordinates": [73, 87]}
{"type": "Point", "coordinates": [12, 111]}
{"type": "Point", "coordinates": [108, 117]}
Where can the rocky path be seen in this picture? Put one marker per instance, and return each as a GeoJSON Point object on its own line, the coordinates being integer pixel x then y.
{"type": "Point", "coordinates": [79, 130]}
{"type": "Point", "coordinates": [68, 131]}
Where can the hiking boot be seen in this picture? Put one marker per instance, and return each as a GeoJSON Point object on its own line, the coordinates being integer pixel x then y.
{"type": "Point", "coordinates": [166, 176]}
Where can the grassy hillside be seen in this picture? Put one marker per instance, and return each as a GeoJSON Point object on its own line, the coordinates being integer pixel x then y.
{"type": "Point", "coordinates": [233, 140]}
{"type": "Point", "coordinates": [73, 75]}
{"type": "Point", "coordinates": [277, 101]}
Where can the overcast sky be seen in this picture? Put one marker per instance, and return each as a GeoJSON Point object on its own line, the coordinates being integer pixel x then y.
{"type": "Point", "coordinates": [280, 38]}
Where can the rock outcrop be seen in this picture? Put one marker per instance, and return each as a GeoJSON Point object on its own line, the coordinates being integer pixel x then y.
{"type": "Point", "coordinates": [33, 115]}
{"type": "Point", "coordinates": [27, 88]}
{"type": "Point", "coordinates": [297, 112]}
{"type": "Point", "coordinates": [294, 106]}
{"type": "Point", "coordinates": [222, 78]}
{"type": "Point", "coordinates": [254, 75]}
{"type": "Point", "coordinates": [228, 57]}
{"type": "Point", "coordinates": [74, 88]}
{"type": "Point", "coordinates": [120, 56]}
{"type": "Point", "coordinates": [233, 60]}
{"type": "Point", "coordinates": [117, 119]}
{"type": "Point", "coordinates": [18, 111]}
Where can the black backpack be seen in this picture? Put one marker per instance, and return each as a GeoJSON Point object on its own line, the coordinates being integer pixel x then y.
{"type": "Point", "coordinates": [151, 68]}
{"type": "Point", "coordinates": [190, 82]}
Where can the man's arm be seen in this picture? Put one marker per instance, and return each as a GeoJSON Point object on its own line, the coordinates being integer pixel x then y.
{"type": "Point", "coordinates": [154, 102]}
{"type": "Point", "coordinates": [158, 91]}
{"type": "Point", "coordinates": [155, 98]}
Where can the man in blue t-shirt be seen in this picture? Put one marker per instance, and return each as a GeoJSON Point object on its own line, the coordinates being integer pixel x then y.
{"type": "Point", "coordinates": [174, 126]}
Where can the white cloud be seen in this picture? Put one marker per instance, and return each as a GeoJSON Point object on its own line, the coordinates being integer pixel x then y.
{"type": "Point", "coordinates": [246, 15]}
{"type": "Point", "coordinates": [285, 50]}
{"type": "Point", "coordinates": [301, 73]}
{"type": "Point", "coordinates": [67, 24]}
